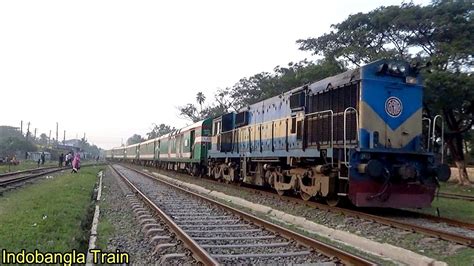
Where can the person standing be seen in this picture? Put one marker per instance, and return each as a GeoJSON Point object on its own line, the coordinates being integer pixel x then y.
{"type": "Point", "coordinates": [76, 163]}
{"type": "Point", "coordinates": [61, 160]}
{"type": "Point", "coordinates": [68, 158]}
{"type": "Point", "coordinates": [42, 158]}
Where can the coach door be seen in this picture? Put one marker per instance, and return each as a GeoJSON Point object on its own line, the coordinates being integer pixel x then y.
{"type": "Point", "coordinates": [191, 143]}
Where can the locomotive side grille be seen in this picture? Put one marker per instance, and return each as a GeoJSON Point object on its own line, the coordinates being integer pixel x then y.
{"type": "Point", "coordinates": [337, 100]}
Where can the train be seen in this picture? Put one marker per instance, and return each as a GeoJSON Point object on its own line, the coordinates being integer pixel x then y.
{"type": "Point", "coordinates": [359, 136]}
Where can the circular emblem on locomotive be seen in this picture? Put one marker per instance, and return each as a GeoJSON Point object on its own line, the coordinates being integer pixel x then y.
{"type": "Point", "coordinates": [393, 106]}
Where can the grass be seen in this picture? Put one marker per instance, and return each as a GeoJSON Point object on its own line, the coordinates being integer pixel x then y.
{"type": "Point", "coordinates": [456, 189]}
{"type": "Point", "coordinates": [24, 165]}
{"type": "Point", "coordinates": [51, 215]}
{"type": "Point", "coordinates": [464, 257]}
{"type": "Point", "coordinates": [452, 208]}
{"type": "Point", "coordinates": [105, 228]}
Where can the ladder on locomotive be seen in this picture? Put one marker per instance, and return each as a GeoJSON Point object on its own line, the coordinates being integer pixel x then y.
{"type": "Point", "coordinates": [345, 162]}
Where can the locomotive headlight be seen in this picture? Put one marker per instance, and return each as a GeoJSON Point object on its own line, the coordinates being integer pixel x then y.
{"type": "Point", "coordinates": [410, 80]}
{"type": "Point", "coordinates": [402, 69]}
{"type": "Point", "coordinates": [394, 68]}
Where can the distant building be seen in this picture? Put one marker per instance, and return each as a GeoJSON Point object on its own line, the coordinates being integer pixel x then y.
{"type": "Point", "coordinates": [35, 156]}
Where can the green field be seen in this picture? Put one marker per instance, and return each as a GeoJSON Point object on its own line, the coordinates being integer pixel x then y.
{"type": "Point", "coordinates": [50, 215]}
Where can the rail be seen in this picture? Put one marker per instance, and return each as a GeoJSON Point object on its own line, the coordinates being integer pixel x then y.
{"type": "Point", "coordinates": [455, 196]}
{"type": "Point", "coordinates": [198, 251]}
{"type": "Point", "coordinates": [6, 180]}
{"type": "Point", "coordinates": [457, 238]}
{"type": "Point", "coordinates": [326, 249]}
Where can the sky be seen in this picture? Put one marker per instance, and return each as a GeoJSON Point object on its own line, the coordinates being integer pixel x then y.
{"type": "Point", "coordinates": [111, 69]}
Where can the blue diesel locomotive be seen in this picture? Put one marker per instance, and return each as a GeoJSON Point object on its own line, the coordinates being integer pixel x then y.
{"type": "Point", "coordinates": [357, 136]}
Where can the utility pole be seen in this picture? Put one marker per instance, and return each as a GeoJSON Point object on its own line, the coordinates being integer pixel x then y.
{"type": "Point", "coordinates": [28, 131]}
{"type": "Point", "coordinates": [64, 137]}
{"type": "Point", "coordinates": [35, 134]}
{"type": "Point", "coordinates": [49, 139]}
{"type": "Point", "coordinates": [84, 136]}
{"type": "Point", "coordinates": [21, 127]}
{"type": "Point", "coordinates": [57, 128]}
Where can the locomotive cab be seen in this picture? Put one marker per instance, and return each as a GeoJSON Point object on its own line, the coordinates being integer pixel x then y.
{"type": "Point", "coordinates": [391, 166]}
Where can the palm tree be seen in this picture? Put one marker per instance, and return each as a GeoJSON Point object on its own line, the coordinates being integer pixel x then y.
{"type": "Point", "coordinates": [200, 98]}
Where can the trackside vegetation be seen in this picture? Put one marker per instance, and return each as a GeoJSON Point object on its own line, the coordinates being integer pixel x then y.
{"type": "Point", "coordinates": [51, 215]}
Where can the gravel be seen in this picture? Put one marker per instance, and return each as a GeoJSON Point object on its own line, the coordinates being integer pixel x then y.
{"type": "Point", "coordinates": [384, 234]}
{"type": "Point", "coordinates": [198, 215]}
{"type": "Point", "coordinates": [117, 207]}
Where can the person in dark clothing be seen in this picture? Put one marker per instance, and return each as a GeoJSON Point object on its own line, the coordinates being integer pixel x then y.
{"type": "Point", "coordinates": [42, 158]}
{"type": "Point", "coordinates": [61, 160]}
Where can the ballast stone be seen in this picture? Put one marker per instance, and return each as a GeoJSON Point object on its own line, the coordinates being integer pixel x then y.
{"type": "Point", "coordinates": [355, 241]}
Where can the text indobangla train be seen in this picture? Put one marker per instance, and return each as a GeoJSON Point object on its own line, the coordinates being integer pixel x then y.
{"type": "Point", "coordinates": [359, 135]}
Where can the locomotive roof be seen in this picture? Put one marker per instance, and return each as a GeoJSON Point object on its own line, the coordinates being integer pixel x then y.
{"type": "Point", "coordinates": [316, 87]}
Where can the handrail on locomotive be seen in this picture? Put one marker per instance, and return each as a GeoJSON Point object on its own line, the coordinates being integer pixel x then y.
{"type": "Point", "coordinates": [345, 132]}
{"type": "Point", "coordinates": [428, 139]}
{"type": "Point", "coordinates": [433, 138]}
{"type": "Point", "coordinates": [431, 135]}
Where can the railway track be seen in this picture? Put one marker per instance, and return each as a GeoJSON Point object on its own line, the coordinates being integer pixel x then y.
{"type": "Point", "coordinates": [26, 171]}
{"type": "Point", "coordinates": [12, 178]}
{"type": "Point", "coordinates": [216, 233]}
{"type": "Point", "coordinates": [21, 176]}
{"type": "Point", "coordinates": [448, 233]}
{"type": "Point", "coordinates": [455, 196]}
{"type": "Point", "coordinates": [397, 223]}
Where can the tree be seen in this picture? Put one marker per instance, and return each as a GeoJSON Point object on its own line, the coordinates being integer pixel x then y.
{"type": "Point", "coordinates": [221, 106]}
{"type": "Point", "coordinates": [190, 112]}
{"type": "Point", "coordinates": [265, 85]}
{"type": "Point", "coordinates": [135, 139]}
{"type": "Point", "coordinates": [159, 131]}
{"type": "Point", "coordinates": [43, 139]}
{"type": "Point", "coordinates": [11, 145]}
{"type": "Point", "coordinates": [261, 86]}
{"type": "Point", "coordinates": [440, 33]}
{"type": "Point", "coordinates": [200, 98]}
{"type": "Point", "coordinates": [12, 141]}
{"type": "Point", "coordinates": [8, 131]}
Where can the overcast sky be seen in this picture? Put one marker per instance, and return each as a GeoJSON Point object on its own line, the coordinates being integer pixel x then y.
{"type": "Point", "coordinates": [112, 68]}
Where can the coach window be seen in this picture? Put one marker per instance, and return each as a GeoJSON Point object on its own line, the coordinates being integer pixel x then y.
{"type": "Point", "coordinates": [293, 125]}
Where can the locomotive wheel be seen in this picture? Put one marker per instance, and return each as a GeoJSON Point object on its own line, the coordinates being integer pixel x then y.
{"type": "Point", "coordinates": [333, 200]}
{"type": "Point", "coordinates": [305, 196]}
